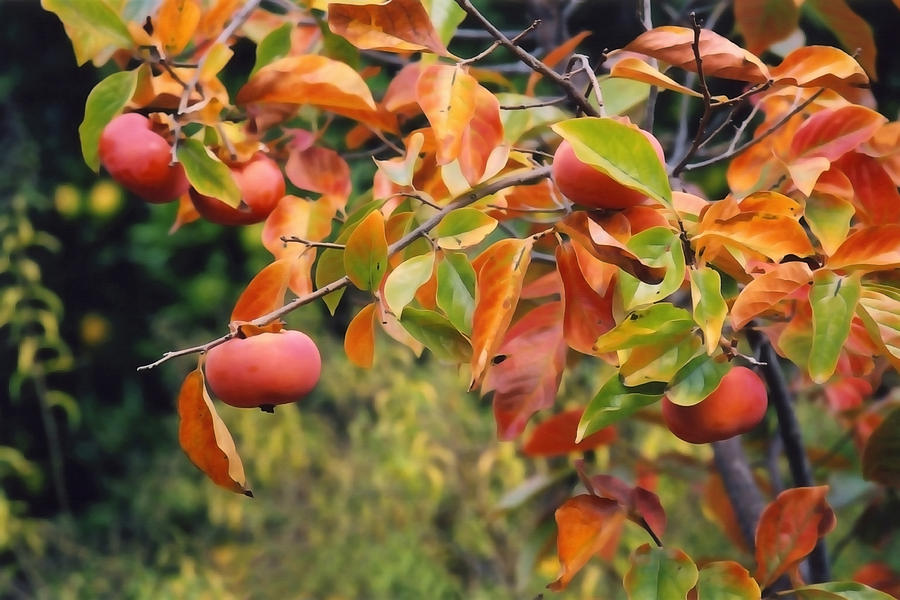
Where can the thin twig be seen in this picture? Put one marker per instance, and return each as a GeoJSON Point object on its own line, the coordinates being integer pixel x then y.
{"type": "Point", "coordinates": [567, 86]}
{"type": "Point", "coordinates": [549, 102]}
{"type": "Point", "coordinates": [470, 197]}
{"type": "Point", "coordinates": [756, 140]}
{"type": "Point", "coordinates": [236, 21]}
{"type": "Point", "coordinates": [292, 239]}
{"type": "Point", "coordinates": [486, 52]}
{"type": "Point", "coordinates": [646, 16]}
{"type": "Point", "coordinates": [594, 85]}
{"type": "Point", "coordinates": [707, 102]}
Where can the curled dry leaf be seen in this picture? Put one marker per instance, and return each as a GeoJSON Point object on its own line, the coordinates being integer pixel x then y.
{"type": "Point", "coordinates": [205, 439]}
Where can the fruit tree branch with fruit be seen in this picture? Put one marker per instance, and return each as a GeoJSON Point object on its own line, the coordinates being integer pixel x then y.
{"type": "Point", "coordinates": [522, 227]}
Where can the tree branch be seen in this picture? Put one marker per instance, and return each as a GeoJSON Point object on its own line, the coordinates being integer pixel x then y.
{"type": "Point", "coordinates": [745, 497]}
{"type": "Point", "coordinates": [789, 429]}
{"type": "Point", "coordinates": [517, 178]}
{"type": "Point", "coordinates": [707, 100]}
{"type": "Point", "coordinates": [536, 65]}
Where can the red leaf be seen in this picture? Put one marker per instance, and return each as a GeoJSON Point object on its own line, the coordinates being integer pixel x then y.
{"type": "Point", "coordinates": [320, 170]}
{"type": "Point", "coordinates": [767, 290]}
{"type": "Point", "coordinates": [847, 394]}
{"type": "Point", "coordinates": [500, 272]}
{"type": "Point", "coordinates": [880, 576]}
{"type": "Point", "coordinates": [875, 195]}
{"type": "Point", "coordinates": [204, 437]}
{"type": "Point", "coordinates": [764, 22]}
{"type": "Point", "coordinates": [528, 377]}
{"type": "Point", "coordinates": [788, 530]}
{"type": "Point", "coordinates": [721, 57]}
{"type": "Point", "coordinates": [585, 525]}
{"type": "Point", "coordinates": [588, 315]}
{"type": "Point", "coordinates": [556, 436]}
{"type": "Point", "coordinates": [831, 133]}
{"type": "Point", "coordinates": [871, 249]}
{"type": "Point", "coordinates": [264, 293]}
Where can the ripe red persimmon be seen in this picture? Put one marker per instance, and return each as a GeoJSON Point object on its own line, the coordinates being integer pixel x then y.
{"type": "Point", "coordinates": [262, 186]}
{"type": "Point", "coordinates": [735, 407]}
{"type": "Point", "coordinates": [264, 370]}
{"type": "Point", "coordinates": [590, 187]}
{"type": "Point", "coordinates": [139, 159]}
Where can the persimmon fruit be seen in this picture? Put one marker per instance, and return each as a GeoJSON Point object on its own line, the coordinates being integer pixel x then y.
{"type": "Point", "coordinates": [735, 407]}
{"type": "Point", "coordinates": [590, 187]}
{"type": "Point", "coordinates": [264, 370]}
{"type": "Point", "coordinates": [262, 186]}
{"type": "Point", "coordinates": [140, 159]}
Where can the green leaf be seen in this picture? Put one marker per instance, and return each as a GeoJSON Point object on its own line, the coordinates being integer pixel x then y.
{"type": "Point", "coordinates": [462, 228]}
{"type": "Point", "coordinates": [207, 174]}
{"type": "Point", "coordinates": [330, 268]}
{"type": "Point", "coordinates": [95, 29]}
{"type": "Point", "coordinates": [840, 590]}
{"type": "Point", "coordinates": [446, 15]}
{"type": "Point", "coordinates": [402, 283]}
{"type": "Point", "coordinates": [881, 457]}
{"type": "Point", "coordinates": [614, 402]}
{"type": "Point", "coordinates": [828, 218]}
{"type": "Point", "coordinates": [619, 151]}
{"type": "Point", "coordinates": [104, 103]}
{"type": "Point", "coordinates": [710, 308]}
{"type": "Point", "coordinates": [656, 247]}
{"type": "Point", "coordinates": [456, 290]}
{"type": "Point", "coordinates": [655, 324]}
{"type": "Point", "coordinates": [365, 255]}
{"type": "Point", "coordinates": [660, 573]}
{"type": "Point", "coordinates": [833, 299]}
{"type": "Point", "coordinates": [727, 580]}
{"type": "Point", "coordinates": [437, 334]}
{"type": "Point", "coordinates": [622, 95]}
{"type": "Point", "coordinates": [272, 47]}
{"type": "Point", "coordinates": [659, 362]}
{"type": "Point", "coordinates": [697, 380]}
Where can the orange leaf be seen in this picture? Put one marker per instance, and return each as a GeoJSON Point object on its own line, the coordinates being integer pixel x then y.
{"type": "Point", "coordinates": [359, 341]}
{"type": "Point", "coordinates": [765, 222]}
{"type": "Point", "coordinates": [398, 25]}
{"type": "Point", "coordinates": [205, 439]}
{"type": "Point", "coordinates": [788, 530]}
{"type": "Point", "coordinates": [721, 57]}
{"type": "Point", "coordinates": [834, 132]}
{"type": "Point", "coordinates": [557, 434]}
{"type": "Point", "coordinates": [854, 34]}
{"type": "Point", "coordinates": [553, 57]}
{"type": "Point", "coordinates": [588, 315]}
{"type": "Point", "coordinates": [875, 195]}
{"type": "Point", "coordinates": [447, 96]}
{"type": "Point", "coordinates": [320, 170]}
{"type": "Point", "coordinates": [764, 22]}
{"type": "Point", "coordinates": [874, 248]}
{"type": "Point", "coordinates": [604, 247]}
{"type": "Point", "coordinates": [585, 525]}
{"type": "Point", "coordinates": [767, 290]}
{"type": "Point", "coordinates": [187, 213]}
{"type": "Point", "coordinates": [309, 79]}
{"type": "Point", "coordinates": [819, 66]}
{"type": "Point", "coordinates": [636, 69]}
{"type": "Point", "coordinates": [400, 96]}
{"type": "Point", "coordinates": [175, 23]}
{"type": "Point", "coordinates": [483, 134]}
{"type": "Point", "coordinates": [264, 293]}
{"type": "Point", "coordinates": [500, 272]}
{"type": "Point", "coordinates": [527, 379]}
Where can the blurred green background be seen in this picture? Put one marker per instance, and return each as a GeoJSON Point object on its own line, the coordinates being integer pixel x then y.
{"type": "Point", "coordinates": [386, 483]}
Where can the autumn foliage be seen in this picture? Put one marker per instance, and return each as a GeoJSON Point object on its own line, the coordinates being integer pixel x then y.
{"type": "Point", "coordinates": [695, 308]}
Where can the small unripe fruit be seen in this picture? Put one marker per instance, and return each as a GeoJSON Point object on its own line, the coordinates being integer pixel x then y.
{"type": "Point", "coordinates": [590, 187]}
{"type": "Point", "coordinates": [262, 186]}
{"type": "Point", "coordinates": [139, 159]}
{"type": "Point", "coordinates": [264, 370]}
{"type": "Point", "coordinates": [733, 408]}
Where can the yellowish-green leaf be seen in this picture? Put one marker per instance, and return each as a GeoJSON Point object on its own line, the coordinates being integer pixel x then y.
{"type": "Point", "coordinates": [616, 401]}
{"type": "Point", "coordinates": [207, 174]}
{"type": "Point", "coordinates": [463, 228]}
{"type": "Point", "coordinates": [833, 299]}
{"type": "Point", "coordinates": [402, 283]}
{"type": "Point", "coordinates": [710, 308]}
{"type": "Point", "coordinates": [696, 380]}
{"type": "Point", "coordinates": [365, 255]}
{"type": "Point", "coordinates": [656, 324]}
{"type": "Point", "coordinates": [105, 102]}
{"type": "Point", "coordinates": [656, 247]}
{"type": "Point", "coordinates": [95, 29]}
{"type": "Point", "coordinates": [661, 573]}
{"type": "Point", "coordinates": [437, 334]}
{"type": "Point", "coordinates": [456, 290]}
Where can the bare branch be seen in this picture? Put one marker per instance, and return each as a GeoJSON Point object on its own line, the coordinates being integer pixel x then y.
{"type": "Point", "coordinates": [527, 58]}
{"type": "Point", "coordinates": [523, 177]}
{"type": "Point", "coordinates": [549, 102]}
{"type": "Point", "coordinates": [496, 44]}
{"type": "Point", "coordinates": [293, 239]}
{"type": "Point", "coordinates": [707, 102]}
